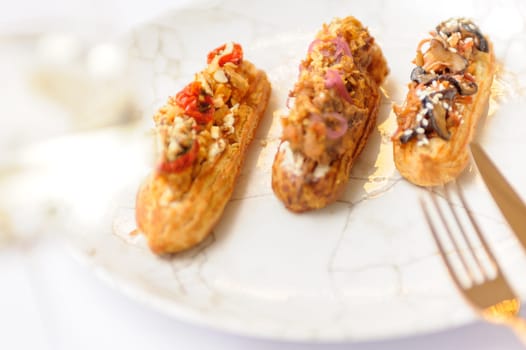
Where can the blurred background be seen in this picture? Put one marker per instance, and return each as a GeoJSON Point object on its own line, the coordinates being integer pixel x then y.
{"type": "Point", "coordinates": [54, 55]}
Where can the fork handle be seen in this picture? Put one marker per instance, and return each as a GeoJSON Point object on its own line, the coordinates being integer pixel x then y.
{"type": "Point", "coordinates": [519, 327]}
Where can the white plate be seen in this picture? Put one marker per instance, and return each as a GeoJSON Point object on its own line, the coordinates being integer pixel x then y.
{"type": "Point", "coordinates": [365, 267]}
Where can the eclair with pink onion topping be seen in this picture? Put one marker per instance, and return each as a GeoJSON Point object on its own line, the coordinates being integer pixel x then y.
{"type": "Point", "coordinates": [448, 93]}
{"type": "Point", "coordinates": [335, 104]}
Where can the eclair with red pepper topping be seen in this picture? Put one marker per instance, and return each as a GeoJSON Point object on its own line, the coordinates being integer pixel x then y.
{"type": "Point", "coordinates": [336, 101]}
{"type": "Point", "coordinates": [202, 134]}
{"type": "Point", "coordinates": [448, 94]}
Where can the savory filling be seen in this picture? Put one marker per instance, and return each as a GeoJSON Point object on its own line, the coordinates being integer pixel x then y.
{"type": "Point", "coordinates": [442, 82]}
{"type": "Point", "coordinates": [198, 122]}
{"type": "Point", "coordinates": [330, 97]}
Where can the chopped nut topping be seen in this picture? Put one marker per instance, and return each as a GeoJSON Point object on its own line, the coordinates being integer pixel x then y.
{"type": "Point", "coordinates": [215, 132]}
{"type": "Point", "coordinates": [177, 137]}
{"type": "Point", "coordinates": [228, 122]}
{"type": "Point", "coordinates": [216, 148]}
{"type": "Point", "coordinates": [200, 78]}
{"type": "Point", "coordinates": [196, 122]}
{"type": "Point", "coordinates": [220, 77]}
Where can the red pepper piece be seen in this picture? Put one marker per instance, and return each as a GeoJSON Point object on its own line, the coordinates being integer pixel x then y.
{"type": "Point", "coordinates": [236, 56]}
{"type": "Point", "coordinates": [196, 103]}
{"type": "Point", "coordinates": [182, 162]}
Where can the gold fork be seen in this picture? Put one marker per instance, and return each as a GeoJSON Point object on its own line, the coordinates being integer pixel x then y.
{"type": "Point", "coordinates": [491, 295]}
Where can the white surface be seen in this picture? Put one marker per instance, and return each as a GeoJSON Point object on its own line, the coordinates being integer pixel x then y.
{"type": "Point", "coordinates": [50, 302]}
{"type": "Point", "coordinates": [62, 305]}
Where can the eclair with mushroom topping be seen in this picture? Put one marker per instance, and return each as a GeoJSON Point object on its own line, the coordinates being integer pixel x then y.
{"type": "Point", "coordinates": [448, 94]}
{"type": "Point", "coordinates": [336, 102]}
{"type": "Point", "coordinates": [202, 133]}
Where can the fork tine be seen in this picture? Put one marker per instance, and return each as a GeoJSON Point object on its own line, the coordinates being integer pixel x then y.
{"type": "Point", "coordinates": [477, 229]}
{"type": "Point", "coordinates": [460, 226]}
{"type": "Point", "coordinates": [494, 298]}
{"type": "Point", "coordinates": [452, 238]}
{"type": "Point", "coordinates": [440, 246]}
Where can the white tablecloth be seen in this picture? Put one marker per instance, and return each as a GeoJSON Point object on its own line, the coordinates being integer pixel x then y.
{"type": "Point", "coordinates": [50, 301]}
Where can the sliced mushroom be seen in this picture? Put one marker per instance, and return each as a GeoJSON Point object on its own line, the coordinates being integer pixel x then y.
{"type": "Point", "coordinates": [448, 94]}
{"type": "Point", "coordinates": [467, 29]}
{"type": "Point", "coordinates": [468, 87]}
{"type": "Point", "coordinates": [463, 86]}
{"type": "Point", "coordinates": [439, 57]}
{"type": "Point", "coordinates": [419, 75]}
{"type": "Point", "coordinates": [451, 80]}
{"type": "Point", "coordinates": [426, 125]}
{"type": "Point", "coordinates": [437, 119]}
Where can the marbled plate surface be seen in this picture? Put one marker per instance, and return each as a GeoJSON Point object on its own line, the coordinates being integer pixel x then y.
{"type": "Point", "coordinates": [363, 268]}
